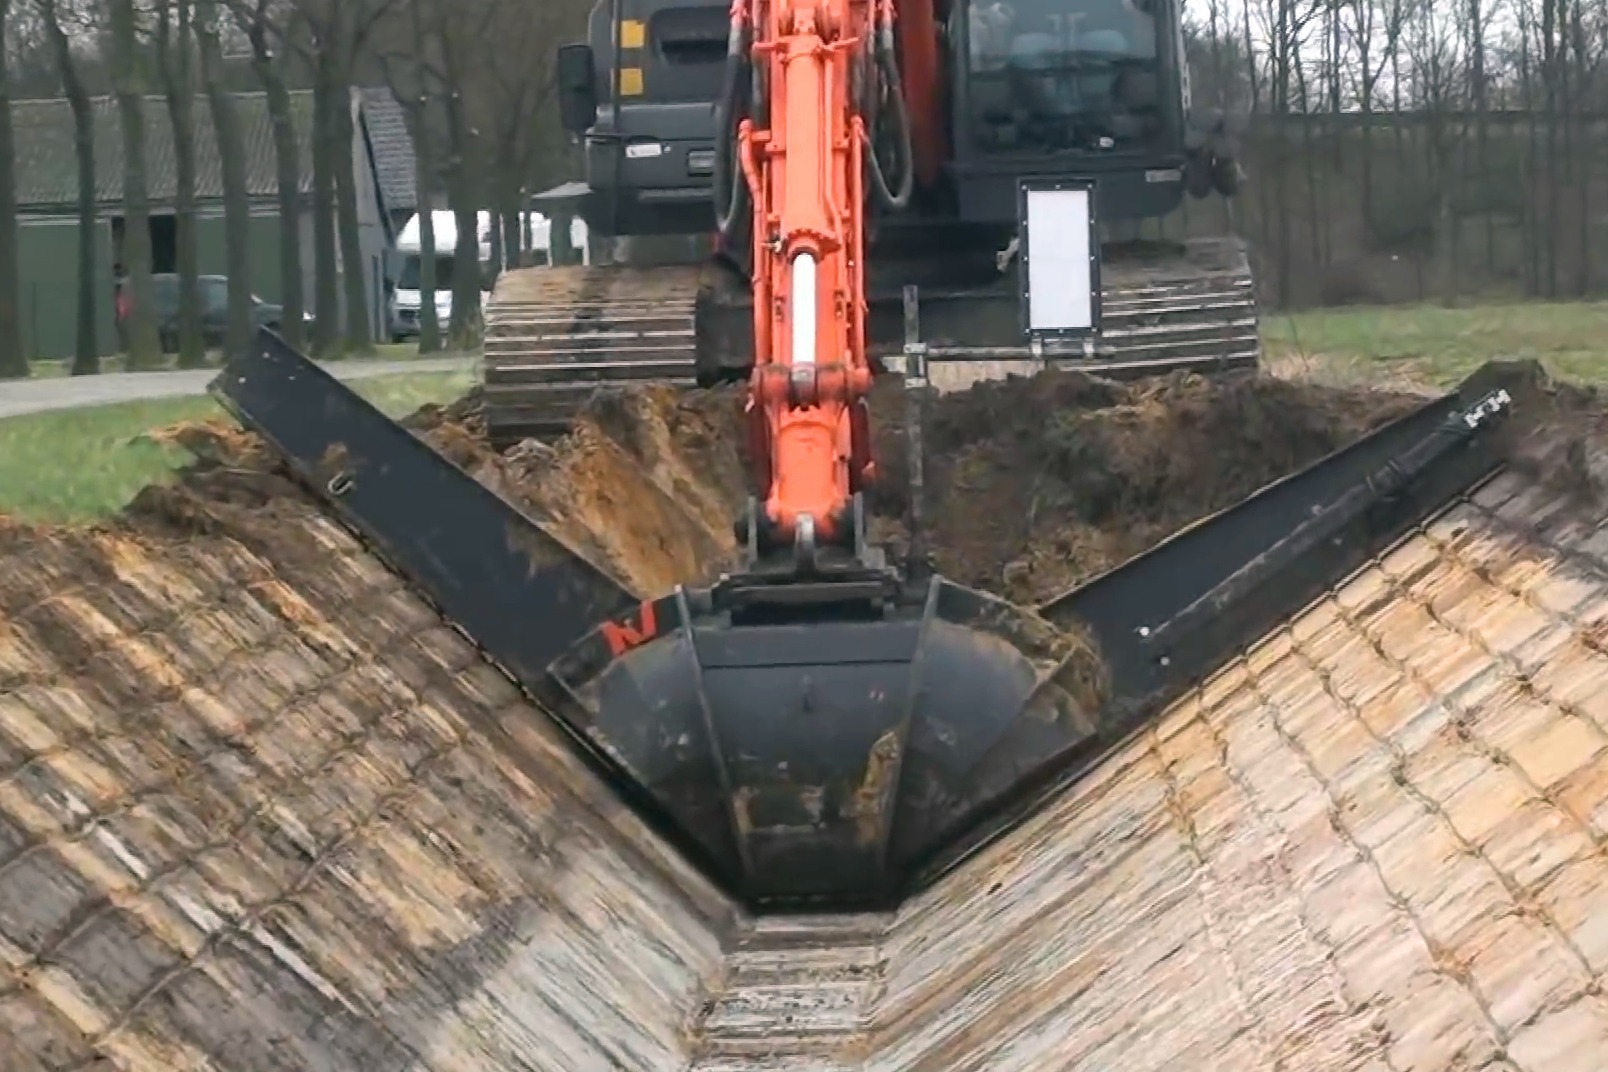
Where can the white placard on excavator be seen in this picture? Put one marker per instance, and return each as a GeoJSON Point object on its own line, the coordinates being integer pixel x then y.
{"type": "Point", "coordinates": [1059, 270]}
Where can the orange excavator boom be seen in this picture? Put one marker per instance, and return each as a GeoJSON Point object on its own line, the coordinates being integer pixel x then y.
{"type": "Point", "coordinates": [803, 158]}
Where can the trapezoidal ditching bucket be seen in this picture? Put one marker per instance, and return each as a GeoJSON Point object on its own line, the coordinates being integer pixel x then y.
{"type": "Point", "coordinates": [834, 744]}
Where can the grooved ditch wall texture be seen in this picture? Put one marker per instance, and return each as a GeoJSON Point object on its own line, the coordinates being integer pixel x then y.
{"type": "Point", "coordinates": [254, 819]}
{"type": "Point", "coordinates": [1375, 842]}
{"type": "Point", "coordinates": [259, 822]}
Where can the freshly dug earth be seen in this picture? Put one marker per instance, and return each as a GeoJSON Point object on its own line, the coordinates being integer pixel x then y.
{"type": "Point", "coordinates": [1033, 485]}
{"type": "Point", "coordinates": [1036, 485]}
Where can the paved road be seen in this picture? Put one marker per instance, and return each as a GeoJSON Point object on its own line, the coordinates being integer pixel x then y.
{"type": "Point", "coordinates": [67, 392]}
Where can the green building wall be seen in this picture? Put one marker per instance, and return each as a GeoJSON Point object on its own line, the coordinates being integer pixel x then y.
{"type": "Point", "coordinates": [262, 245]}
{"type": "Point", "coordinates": [48, 296]}
{"type": "Point", "coordinates": [48, 263]}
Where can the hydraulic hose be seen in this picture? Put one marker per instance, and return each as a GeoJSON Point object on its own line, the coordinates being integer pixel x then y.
{"type": "Point", "coordinates": [905, 160]}
{"type": "Point", "coordinates": [732, 197]}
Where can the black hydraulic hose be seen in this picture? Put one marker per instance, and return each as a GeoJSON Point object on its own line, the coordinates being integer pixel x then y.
{"type": "Point", "coordinates": [905, 152]}
{"type": "Point", "coordinates": [732, 200]}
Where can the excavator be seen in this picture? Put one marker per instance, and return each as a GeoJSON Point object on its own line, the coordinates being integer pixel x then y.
{"type": "Point", "coordinates": [958, 103]}
{"type": "Point", "coordinates": [823, 729]}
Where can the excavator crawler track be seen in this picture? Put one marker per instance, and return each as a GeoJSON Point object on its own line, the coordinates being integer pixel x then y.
{"type": "Point", "coordinates": [555, 335]}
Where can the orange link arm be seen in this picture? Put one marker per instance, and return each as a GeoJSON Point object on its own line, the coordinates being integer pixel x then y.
{"type": "Point", "coordinates": [806, 169]}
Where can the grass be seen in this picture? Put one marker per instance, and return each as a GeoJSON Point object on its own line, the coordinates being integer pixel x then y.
{"type": "Point", "coordinates": [1436, 346]}
{"type": "Point", "coordinates": [401, 351]}
{"type": "Point", "coordinates": [85, 464]}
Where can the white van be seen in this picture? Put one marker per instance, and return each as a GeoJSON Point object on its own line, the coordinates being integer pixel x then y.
{"type": "Point", "coordinates": [405, 321]}
{"type": "Point", "coordinates": [405, 299]}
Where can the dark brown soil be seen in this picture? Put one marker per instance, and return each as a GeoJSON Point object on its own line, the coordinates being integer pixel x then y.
{"type": "Point", "coordinates": [1035, 485]}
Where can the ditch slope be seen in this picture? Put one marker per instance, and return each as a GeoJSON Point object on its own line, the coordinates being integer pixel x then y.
{"type": "Point", "coordinates": [260, 809]}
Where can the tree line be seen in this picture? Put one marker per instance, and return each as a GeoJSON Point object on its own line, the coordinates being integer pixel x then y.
{"type": "Point", "coordinates": [474, 77]}
{"type": "Point", "coordinates": [1412, 150]}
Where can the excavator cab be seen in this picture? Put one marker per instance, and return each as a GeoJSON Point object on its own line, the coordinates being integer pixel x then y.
{"type": "Point", "coordinates": [1093, 88]}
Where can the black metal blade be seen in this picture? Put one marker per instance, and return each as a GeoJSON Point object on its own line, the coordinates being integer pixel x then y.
{"type": "Point", "coordinates": [518, 590]}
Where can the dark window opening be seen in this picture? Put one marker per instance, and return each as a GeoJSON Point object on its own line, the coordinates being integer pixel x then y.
{"type": "Point", "coordinates": [1042, 78]}
{"type": "Point", "coordinates": [690, 36]}
{"type": "Point", "coordinates": [164, 243]}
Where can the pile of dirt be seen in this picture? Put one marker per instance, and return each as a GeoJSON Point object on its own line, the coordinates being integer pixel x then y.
{"type": "Point", "coordinates": [1033, 484]}
{"type": "Point", "coordinates": [1037, 484]}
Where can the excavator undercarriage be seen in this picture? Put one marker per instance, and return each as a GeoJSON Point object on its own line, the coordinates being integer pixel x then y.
{"type": "Point", "coordinates": [555, 335]}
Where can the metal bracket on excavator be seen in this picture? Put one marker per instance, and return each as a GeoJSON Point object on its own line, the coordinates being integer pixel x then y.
{"type": "Point", "coordinates": [840, 750]}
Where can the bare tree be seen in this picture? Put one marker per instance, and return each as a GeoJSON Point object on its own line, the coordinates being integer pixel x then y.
{"type": "Point", "coordinates": [13, 359]}
{"type": "Point", "coordinates": [463, 36]}
{"type": "Point", "coordinates": [140, 340]}
{"type": "Point", "coordinates": [86, 347]}
{"type": "Point", "coordinates": [338, 32]}
{"type": "Point", "coordinates": [174, 52]}
{"type": "Point", "coordinates": [267, 62]}
{"type": "Point", "coordinates": [1431, 51]}
{"type": "Point", "coordinates": [411, 87]}
{"type": "Point", "coordinates": [520, 90]}
{"type": "Point", "coordinates": [232, 169]}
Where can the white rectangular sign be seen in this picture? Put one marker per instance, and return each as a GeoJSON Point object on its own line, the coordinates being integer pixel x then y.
{"type": "Point", "coordinates": [1060, 294]}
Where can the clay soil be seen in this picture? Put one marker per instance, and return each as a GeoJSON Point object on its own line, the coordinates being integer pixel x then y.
{"type": "Point", "coordinates": [1033, 485]}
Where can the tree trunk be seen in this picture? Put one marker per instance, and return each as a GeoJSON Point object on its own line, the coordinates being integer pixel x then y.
{"type": "Point", "coordinates": [144, 352]}
{"type": "Point", "coordinates": [86, 347]}
{"type": "Point", "coordinates": [1482, 118]}
{"type": "Point", "coordinates": [1532, 186]}
{"type": "Point", "coordinates": [326, 292]}
{"type": "Point", "coordinates": [13, 359]}
{"type": "Point", "coordinates": [174, 53]}
{"type": "Point", "coordinates": [287, 161]}
{"type": "Point", "coordinates": [429, 323]}
{"type": "Point", "coordinates": [232, 166]}
{"type": "Point", "coordinates": [494, 226]}
{"type": "Point", "coordinates": [1554, 194]}
{"type": "Point", "coordinates": [1582, 138]}
{"type": "Point", "coordinates": [359, 336]}
{"type": "Point", "coordinates": [424, 182]}
{"type": "Point", "coordinates": [465, 327]}
{"type": "Point", "coordinates": [464, 332]}
{"type": "Point", "coordinates": [513, 249]}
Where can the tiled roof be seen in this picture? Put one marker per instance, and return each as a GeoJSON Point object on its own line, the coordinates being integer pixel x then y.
{"type": "Point", "coordinates": [47, 167]}
{"type": "Point", "coordinates": [392, 145]}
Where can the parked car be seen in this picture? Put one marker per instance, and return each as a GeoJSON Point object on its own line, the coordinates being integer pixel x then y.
{"type": "Point", "coordinates": [214, 294]}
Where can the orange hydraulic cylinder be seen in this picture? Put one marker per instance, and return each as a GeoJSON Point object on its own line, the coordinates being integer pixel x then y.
{"type": "Point", "coordinates": [809, 282]}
